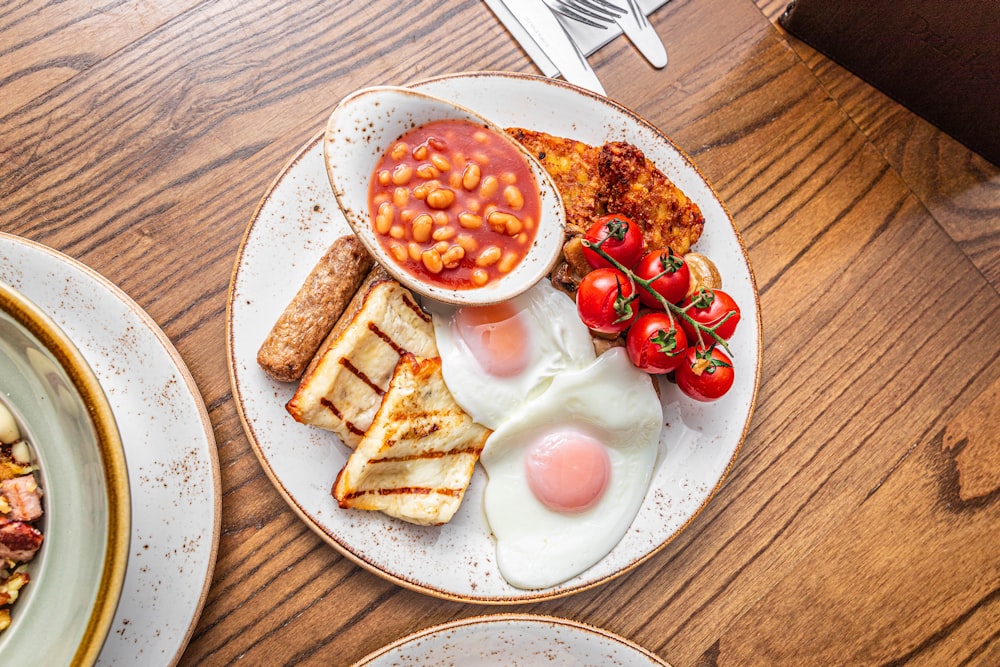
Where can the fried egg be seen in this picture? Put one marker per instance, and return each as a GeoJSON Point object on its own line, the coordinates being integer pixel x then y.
{"type": "Point", "coordinates": [496, 358]}
{"type": "Point", "coordinates": [568, 471]}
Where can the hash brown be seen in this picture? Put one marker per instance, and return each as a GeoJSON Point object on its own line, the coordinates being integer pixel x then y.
{"type": "Point", "coordinates": [616, 177]}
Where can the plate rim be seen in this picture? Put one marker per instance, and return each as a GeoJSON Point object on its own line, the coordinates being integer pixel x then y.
{"type": "Point", "coordinates": [529, 596]}
{"type": "Point", "coordinates": [510, 618]}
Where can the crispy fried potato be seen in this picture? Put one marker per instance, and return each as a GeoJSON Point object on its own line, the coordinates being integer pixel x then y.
{"type": "Point", "coordinates": [573, 167]}
{"type": "Point", "coordinates": [615, 178]}
{"type": "Point", "coordinates": [634, 187]}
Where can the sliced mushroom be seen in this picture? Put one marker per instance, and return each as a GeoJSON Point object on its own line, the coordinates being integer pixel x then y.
{"type": "Point", "coordinates": [703, 271]}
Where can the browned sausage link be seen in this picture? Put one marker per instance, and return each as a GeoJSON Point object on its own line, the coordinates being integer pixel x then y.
{"type": "Point", "coordinates": [310, 316]}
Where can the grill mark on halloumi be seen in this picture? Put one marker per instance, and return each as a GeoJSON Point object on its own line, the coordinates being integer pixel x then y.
{"type": "Point", "coordinates": [408, 490]}
{"type": "Point", "coordinates": [331, 407]}
{"type": "Point", "coordinates": [473, 451]}
{"type": "Point", "coordinates": [358, 373]}
{"type": "Point", "coordinates": [412, 305]}
{"type": "Point", "coordinates": [349, 425]}
{"type": "Point", "coordinates": [387, 339]}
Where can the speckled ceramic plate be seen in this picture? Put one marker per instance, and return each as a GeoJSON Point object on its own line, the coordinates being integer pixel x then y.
{"type": "Point", "coordinates": [512, 640]}
{"type": "Point", "coordinates": [296, 221]}
{"type": "Point", "coordinates": [169, 446]}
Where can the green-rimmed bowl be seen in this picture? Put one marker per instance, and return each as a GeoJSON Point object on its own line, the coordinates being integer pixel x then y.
{"type": "Point", "coordinates": [64, 614]}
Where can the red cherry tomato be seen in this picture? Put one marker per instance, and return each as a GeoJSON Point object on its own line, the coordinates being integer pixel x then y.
{"type": "Point", "coordinates": [655, 344]}
{"type": "Point", "coordinates": [624, 241]}
{"type": "Point", "coordinates": [672, 285]}
{"type": "Point", "coordinates": [704, 374]}
{"type": "Point", "coordinates": [606, 301]}
{"type": "Point", "coordinates": [708, 307]}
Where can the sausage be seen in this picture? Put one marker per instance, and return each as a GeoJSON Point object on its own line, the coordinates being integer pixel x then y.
{"type": "Point", "coordinates": [309, 317]}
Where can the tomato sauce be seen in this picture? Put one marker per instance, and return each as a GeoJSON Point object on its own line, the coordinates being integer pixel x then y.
{"type": "Point", "coordinates": [455, 204]}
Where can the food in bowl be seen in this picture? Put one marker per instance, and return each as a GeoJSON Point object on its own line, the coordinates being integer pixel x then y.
{"type": "Point", "coordinates": [569, 423]}
{"type": "Point", "coordinates": [454, 203]}
{"type": "Point", "coordinates": [518, 225]}
{"type": "Point", "coordinates": [20, 513]}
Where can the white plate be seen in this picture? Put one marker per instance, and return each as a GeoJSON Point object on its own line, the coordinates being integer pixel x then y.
{"type": "Point", "coordinates": [512, 640]}
{"type": "Point", "coordinates": [169, 449]}
{"type": "Point", "coordinates": [296, 221]}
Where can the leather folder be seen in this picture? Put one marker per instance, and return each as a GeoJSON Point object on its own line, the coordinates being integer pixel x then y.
{"type": "Point", "coordinates": [940, 59]}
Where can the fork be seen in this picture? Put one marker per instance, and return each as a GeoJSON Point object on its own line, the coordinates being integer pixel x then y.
{"type": "Point", "coordinates": [597, 13]}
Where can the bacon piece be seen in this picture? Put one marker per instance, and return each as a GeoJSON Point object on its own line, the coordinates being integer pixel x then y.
{"type": "Point", "coordinates": [19, 541]}
{"type": "Point", "coordinates": [24, 497]}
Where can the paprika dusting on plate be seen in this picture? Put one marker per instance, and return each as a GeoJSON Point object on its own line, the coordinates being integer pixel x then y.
{"type": "Point", "coordinates": [454, 203]}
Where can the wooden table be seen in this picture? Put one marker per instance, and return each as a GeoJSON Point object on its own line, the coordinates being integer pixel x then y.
{"type": "Point", "coordinates": [859, 524]}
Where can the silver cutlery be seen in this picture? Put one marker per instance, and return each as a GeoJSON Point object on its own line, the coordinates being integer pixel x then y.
{"type": "Point", "coordinates": [595, 13]}
{"type": "Point", "coordinates": [641, 33]}
{"type": "Point", "coordinates": [541, 24]}
{"type": "Point", "coordinates": [632, 20]}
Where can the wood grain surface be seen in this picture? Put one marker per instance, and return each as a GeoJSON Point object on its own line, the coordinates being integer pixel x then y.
{"type": "Point", "coordinates": [859, 524]}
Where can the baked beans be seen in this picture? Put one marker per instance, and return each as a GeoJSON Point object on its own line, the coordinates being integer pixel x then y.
{"type": "Point", "coordinates": [454, 203]}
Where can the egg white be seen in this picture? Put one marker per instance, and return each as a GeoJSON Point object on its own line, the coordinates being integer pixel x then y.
{"type": "Point", "coordinates": [610, 400]}
{"type": "Point", "coordinates": [557, 342]}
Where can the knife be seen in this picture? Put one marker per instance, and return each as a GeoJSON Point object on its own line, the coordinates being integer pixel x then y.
{"type": "Point", "coordinates": [641, 33]}
{"type": "Point", "coordinates": [548, 33]}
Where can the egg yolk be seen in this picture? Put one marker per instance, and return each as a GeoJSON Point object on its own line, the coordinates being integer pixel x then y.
{"type": "Point", "coordinates": [567, 471]}
{"type": "Point", "coordinates": [496, 337]}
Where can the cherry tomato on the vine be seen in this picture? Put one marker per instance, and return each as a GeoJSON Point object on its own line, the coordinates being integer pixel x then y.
{"type": "Point", "coordinates": [656, 344]}
{"type": "Point", "coordinates": [705, 374]}
{"type": "Point", "coordinates": [672, 285]}
{"type": "Point", "coordinates": [606, 301]}
{"type": "Point", "coordinates": [624, 241]}
{"type": "Point", "coordinates": [708, 307]}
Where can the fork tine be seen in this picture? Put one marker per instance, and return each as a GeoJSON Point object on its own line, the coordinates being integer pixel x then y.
{"type": "Point", "coordinates": [602, 6]}
{"type": "Point", "coordinates": [585, 8]}
{"type": "Point", "coordinates": [563, 9]}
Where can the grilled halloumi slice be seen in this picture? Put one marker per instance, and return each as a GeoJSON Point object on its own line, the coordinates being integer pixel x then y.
{"type": "Point", "coordinates": [344, 385]}
{"type": "Point", "coordinates": [416, 460]}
